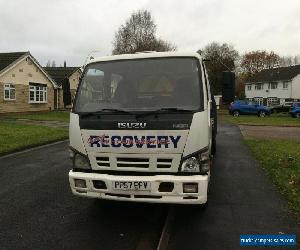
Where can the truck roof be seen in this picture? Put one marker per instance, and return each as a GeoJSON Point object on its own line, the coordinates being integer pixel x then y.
{"type": "Point", "coordinates": [141, 55]}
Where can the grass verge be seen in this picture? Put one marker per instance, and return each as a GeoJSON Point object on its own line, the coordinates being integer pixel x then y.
{"type": "Point", "coordinates": [61, 116]}
{"type": "Point", "coordinates": [272, 120]}
{"type": "Point", "coordinates": [14, 136]}
{"type": "Point", "coordinates": [281, 161]}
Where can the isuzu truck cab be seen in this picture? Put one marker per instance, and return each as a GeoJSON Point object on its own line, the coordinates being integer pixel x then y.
{"type": "Point", "coordinates": [141, 129]}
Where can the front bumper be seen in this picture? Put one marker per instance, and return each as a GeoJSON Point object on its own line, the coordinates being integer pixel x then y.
{"type": "Point", "coordinates": [154, 195]}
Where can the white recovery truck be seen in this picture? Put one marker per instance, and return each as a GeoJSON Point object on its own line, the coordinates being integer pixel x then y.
{"type": "Point", "coordinates": [141, 129]}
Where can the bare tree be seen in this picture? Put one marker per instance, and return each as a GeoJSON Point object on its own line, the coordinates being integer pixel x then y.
{"type": "Point", "coordinates": [53, 64]}
{"type": "Point", "coordinates": [255, 61]}
{"type": "Point", "coordinates": [289, 60]}
{"type": "Point", "coordinates": [48, 63]}
{"type": "Point", "coordinates": [286, 61]}
{"type": "Point", "coordinates": [220, 57]}
{"type": "Point", "coordinates": [138, 34]}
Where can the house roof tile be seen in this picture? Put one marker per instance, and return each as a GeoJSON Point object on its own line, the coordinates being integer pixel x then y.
{"type": "Point", "coordinates": [60, 73]}
{"type": "Point", "coordinates": [276, 74]}
{"type": "Point", "coordinates": [7, 59]}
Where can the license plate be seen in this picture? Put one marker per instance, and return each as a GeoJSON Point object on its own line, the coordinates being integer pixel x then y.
{"type": "Point", "coordinates": [131, 185]}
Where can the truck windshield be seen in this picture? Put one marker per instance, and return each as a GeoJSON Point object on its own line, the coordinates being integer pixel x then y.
{"type": "Point", "coordinates": [141, 85]}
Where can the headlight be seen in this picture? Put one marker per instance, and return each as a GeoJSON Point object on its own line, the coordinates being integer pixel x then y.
{"type": "Point", "coordinates": [81, 162]}
{"type": "Point", "coordinates": [190, 165]}
{"type": "Point", "coordinates": [197, 164]}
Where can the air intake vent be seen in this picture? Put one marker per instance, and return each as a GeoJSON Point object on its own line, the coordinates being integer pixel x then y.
{"type": "Point", "coordinates": [103, 161]}
{"type": "Point", "coordinates": [136, 162]}
{"type": "Point", "coordinates": [129, 162]}
{"type": "Point", "coordinates": [164, 163]}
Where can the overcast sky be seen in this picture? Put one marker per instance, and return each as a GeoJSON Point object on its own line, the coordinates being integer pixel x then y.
{"type": "Point", "coordinates": [69, 29]}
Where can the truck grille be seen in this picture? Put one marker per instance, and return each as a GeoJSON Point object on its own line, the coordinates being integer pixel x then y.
{"type": "Point", "coordinates": [135, 162]}
{"type": "Point", "coordinates": [124, 162]}
{"type": "Point", "coordinates": [103, 161]}
{"type": "Point", "coordinates": [164, 163]}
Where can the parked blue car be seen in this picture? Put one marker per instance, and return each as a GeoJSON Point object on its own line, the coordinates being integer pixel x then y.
{"type": "Point", "coordinates": [295, 110]}
{"type": "Point", "coordinates": [241, 107]}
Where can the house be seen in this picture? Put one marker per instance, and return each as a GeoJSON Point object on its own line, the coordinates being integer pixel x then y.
{"type": "Point", "coordinates": [274, 86]}
{"type": "Point", "coordinates": [67, 78]}
{"type": "Point", "coordinates": [25, 86]}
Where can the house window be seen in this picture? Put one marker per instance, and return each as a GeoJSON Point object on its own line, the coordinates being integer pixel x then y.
{"type": "Point", "coordinates": [272, 101]}
{"type": "Point", "coordinates": [285, 85]}
{"type": "Point", "coordinates": [273, 85]}
{"type": "Point", "coordinates": [249, 87]}
{"type": "Point", "coordinates": [37, 93]}
{"type": "Point", "coordinates": [259, 100]}
{"type": "Point", "coordinates": [9, 92]}
{"type": "Point", "coordinates": [259, 86]}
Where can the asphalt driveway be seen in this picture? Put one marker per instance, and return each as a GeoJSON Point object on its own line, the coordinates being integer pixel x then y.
{"type": "Point", "coordinates": [242, 200]}
{"type": "Point", "coordinates": [38, 211]}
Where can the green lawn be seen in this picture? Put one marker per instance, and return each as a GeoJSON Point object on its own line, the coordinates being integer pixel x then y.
{"type": "Point", "coordinates": [281, 161]}
{"type": "Point", "coordinates": [15, 136]}
{"type": "Point", "coordinates": [273, 120]}
{"type": "Point", "coordinates": [62, 116]}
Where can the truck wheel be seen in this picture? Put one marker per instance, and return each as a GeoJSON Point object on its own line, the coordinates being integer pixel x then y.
{"type": "Point", "coordinates": [261, 113]}
{"type": "Point", "coordinates": [297, 115]}
{"type": "Point", "coordinates": [236, 113]}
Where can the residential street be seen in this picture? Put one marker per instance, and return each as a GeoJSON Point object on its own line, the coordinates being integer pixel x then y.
{"type": "Point", "coordinates": [38, 211]}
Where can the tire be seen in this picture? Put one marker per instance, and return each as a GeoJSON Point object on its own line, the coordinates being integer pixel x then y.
{"type": "Point", "coordinates": [261, 113]}
{"type": "Point", "coordinates": [236, 113]}
{"type": "Point", "coordinates": [297, 115]}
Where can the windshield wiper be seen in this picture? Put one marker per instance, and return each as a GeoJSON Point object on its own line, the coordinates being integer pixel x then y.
{"type": "Point", "coordinates": [165, 110]}
{"type": "Point", "coordinates": [106, 110]}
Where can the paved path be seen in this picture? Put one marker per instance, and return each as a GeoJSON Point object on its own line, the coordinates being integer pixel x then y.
{"type": "Point", "coordinates": [38, 211]}
{"type": "Point", "coordinates": [265, 132]}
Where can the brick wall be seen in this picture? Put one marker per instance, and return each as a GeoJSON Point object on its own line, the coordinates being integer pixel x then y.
{"type": "Point", "coordinates": [21, 104]}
